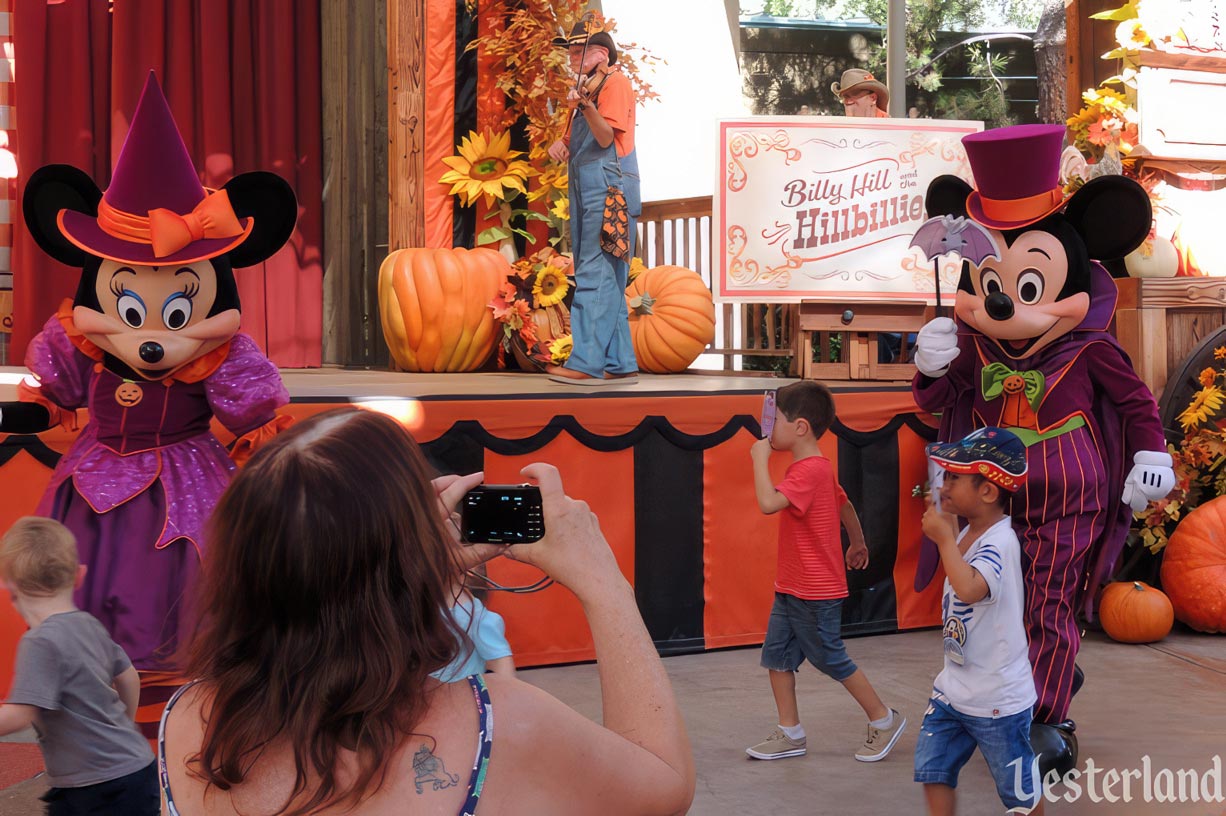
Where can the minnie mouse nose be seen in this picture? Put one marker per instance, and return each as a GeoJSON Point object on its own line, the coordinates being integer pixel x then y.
{"type": "Point", "coordinates": [151, 352]}
{"type": "Point", "coordinates": [998, 304]}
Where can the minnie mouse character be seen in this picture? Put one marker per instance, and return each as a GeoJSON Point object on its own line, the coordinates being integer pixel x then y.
{"type": "Point", "coordinates": [150, 344]}
{"type": "Point", "coordinates": [1030, 352]}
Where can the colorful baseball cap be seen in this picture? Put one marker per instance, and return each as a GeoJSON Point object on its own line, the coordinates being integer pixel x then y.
{"type": "Point", "coordinates": [994, 453]}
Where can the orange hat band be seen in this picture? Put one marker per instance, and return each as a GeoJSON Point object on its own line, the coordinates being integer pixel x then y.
{"type": "Point", "coordinates": [1021, 209]}
{"type": "Point", "coordinates": [166, 231]}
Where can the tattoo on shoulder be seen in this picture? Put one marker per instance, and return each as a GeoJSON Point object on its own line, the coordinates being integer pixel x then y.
{"type": "Point", "coordinates": [429, 769]}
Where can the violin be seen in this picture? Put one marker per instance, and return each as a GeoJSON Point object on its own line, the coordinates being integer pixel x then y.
{"type": "Point", "coordinates": [588, 85]}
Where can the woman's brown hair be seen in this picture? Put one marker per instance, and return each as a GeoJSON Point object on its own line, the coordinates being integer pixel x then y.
{"type": "Point", "coordinates": [323, 606]}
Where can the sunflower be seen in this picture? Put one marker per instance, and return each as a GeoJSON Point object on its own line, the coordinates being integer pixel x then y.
{"type": "Point", "coordinates": [1203, 405]}
{"type": "Point", "coordinates": [561, 348]}
{"type": "Point", "coordinates": [485, 168]}
{"type": "Point", "coordinates": [550, 179]}
{"type": "Point", "coordinates": [637, 267]}
{"type": "Point", "coordinates": [561, 209]}
{"type": "Point", "coordinates": [1208, 377]}
{"type": "Point", "coordinates": [1219, 353]}
{"type": "Point", "coordinates": [550, 288]}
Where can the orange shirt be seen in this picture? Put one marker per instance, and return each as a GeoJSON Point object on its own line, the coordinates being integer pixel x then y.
{"type": "Point", "coordinates": [616, 105]}
{"type": "Point", "coordinates": [811, 564]}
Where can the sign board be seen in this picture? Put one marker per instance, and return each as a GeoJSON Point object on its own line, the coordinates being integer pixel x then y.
{"type": "Point", "coordinates": [824, 207]}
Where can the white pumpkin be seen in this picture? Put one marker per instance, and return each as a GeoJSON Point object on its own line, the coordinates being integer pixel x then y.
{"type": "Point", "coordinates": [1160, 261]}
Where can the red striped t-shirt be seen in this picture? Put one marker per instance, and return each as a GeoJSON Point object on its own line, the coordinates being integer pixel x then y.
{"type": "Point", "coordinates": [811, 563]}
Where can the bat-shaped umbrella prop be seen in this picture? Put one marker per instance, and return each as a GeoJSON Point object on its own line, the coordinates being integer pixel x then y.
{"type": "Point", "coordinates": [952, 233]}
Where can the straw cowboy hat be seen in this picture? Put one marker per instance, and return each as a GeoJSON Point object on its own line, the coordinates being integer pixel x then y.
{"type": "Point", "coordinates": [857, 79]}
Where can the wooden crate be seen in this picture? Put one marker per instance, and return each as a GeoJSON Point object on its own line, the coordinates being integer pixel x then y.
{"type": "Point", "coordinates": [859, 323]}
{"type": "Point", "coordinates": [1159, 321]}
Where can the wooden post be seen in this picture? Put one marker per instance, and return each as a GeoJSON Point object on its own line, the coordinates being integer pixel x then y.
{"type": "Point", "coordinates": [406, 26]}
{"type": "Point", "coordinates": [1072, 52]}
{"type": "Point", "coordinates": [354, 87]}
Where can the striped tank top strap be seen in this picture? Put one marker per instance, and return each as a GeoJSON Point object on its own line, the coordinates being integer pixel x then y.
{"type": "Point", "coordinates": [485, 740]}
{"type": "Point", "coordinates": [163, 776]}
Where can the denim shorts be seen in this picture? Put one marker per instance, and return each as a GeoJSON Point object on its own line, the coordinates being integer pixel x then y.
{"type": "Point", "coordinates": [800, 630]}
{"type": "Point", "coordinates": [136, 794]}
{"type": "Point", "coordinates": [947, 739]}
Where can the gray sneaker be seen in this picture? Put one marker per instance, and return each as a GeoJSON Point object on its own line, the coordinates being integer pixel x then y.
{"type": "Point", "coordinates": [880, 740]}
{"type": "Point", "coordinates": [777, 746]}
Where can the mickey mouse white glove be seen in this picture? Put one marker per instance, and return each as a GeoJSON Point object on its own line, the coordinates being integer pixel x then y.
{"type": "Point", "coordinates": [1150, 479]}
{"type": "Point", "coordinates": [936, 346]}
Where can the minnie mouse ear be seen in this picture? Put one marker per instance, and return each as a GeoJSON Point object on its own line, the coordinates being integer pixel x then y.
{"type": "Point", "coordinates": [268, 199]}
{"type": "Point", "coordinates": [51, 189]}
{"type": "Point", "coordinates": [947, 196]}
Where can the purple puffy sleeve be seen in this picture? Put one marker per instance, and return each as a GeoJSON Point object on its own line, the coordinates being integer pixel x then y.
{"type": "Point", "coordinates": [62, 370]}
{"type": "Point", "coordinates": [246, 390]}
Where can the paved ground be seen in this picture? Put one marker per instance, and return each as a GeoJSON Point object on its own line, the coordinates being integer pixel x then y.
{"type": "Point", "coordinates": [1167, 702]}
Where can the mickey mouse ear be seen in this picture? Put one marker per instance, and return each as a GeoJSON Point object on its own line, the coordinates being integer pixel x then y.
{"type": "Point", "coordinates": [946, 196]}
{"type": "Point", "coordinates": [51, 189]}
{"type": "Point", "coordinates": [1112, 214]}
{"type": "Point", "coordinates": [270, 201]}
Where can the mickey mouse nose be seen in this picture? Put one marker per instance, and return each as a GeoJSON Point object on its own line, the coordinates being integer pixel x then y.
{"type": "Point", "coordinates": [998, 304]}
{"type": "Point", "coordinates": [151, 352]}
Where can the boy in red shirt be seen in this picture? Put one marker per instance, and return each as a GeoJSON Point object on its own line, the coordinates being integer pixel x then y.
{"type": "Point", "coordinates": [811, 580]}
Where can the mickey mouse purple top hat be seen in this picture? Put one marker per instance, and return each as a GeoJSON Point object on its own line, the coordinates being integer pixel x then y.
{"type": "Point", "coordinates": [155, 210]}
{"type": "Point", "coordinates": [1017, 175]}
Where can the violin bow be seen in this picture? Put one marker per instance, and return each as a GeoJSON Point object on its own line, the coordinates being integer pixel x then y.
{"type": "Point", "coordinates": [586, 20]}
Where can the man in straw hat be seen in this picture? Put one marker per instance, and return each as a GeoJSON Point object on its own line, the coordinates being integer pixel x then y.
{"type": "Point", "coordinates": [862, 94]}
{"type": "Point", "coordinates": [600, 156]}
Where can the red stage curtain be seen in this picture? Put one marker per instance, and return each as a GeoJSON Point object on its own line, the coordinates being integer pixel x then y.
{"type": "Point", "coordinates": [243, 80]}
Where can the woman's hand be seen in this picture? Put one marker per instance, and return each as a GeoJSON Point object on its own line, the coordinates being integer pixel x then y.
{"type": "Point", "coordinates": [450, 490]}
{"type": "Point", "coordinates": [574, 551]}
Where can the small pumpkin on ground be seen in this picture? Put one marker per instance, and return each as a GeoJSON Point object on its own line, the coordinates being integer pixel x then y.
{"type": "Point", "coordinates": [672, 318]}
{"type": "Point", "coordinates": [1194, 567]}
{"type": "Point", "coordinates": [434, 306]}
{"type": "Point", "coordinates": [1135, 612]}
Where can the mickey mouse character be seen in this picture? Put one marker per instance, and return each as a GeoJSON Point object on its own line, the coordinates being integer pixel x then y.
{"type": "Point", "coordinates": [151, 346]}
{"type": "Point", "coordinates": [1030, 352]}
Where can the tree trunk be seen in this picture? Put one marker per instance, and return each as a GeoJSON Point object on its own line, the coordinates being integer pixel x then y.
{"type": "Point", "coordinates": [1051, 60]}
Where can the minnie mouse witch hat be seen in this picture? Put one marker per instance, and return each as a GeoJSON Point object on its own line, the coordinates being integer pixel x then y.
{"type": "Point", "coordinates": [155, 210]}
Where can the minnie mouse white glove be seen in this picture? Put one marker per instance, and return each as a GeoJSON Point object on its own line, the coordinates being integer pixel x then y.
{"type": "Point", "coordinates": [936, 346]}
{"type": "Point", "coordinates": [1150, 479]}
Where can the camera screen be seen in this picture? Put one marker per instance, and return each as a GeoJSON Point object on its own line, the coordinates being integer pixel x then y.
{"type": "Point", "coordinates": [502, 516]}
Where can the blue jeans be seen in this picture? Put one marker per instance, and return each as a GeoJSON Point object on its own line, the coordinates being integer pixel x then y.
{"type": "Point", "coordinates": [948, 737]}
{"type": "Point", "coordinates": [800, 630]}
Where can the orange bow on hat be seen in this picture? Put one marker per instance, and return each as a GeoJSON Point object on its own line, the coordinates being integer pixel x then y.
{"type": "Point", "coordinates": [213, 217]}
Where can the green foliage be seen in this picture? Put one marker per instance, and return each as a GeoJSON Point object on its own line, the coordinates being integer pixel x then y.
{"type": "Point", "coordinates": [926, 19]}
{"type": "Point", "coordinates": [988, 103]}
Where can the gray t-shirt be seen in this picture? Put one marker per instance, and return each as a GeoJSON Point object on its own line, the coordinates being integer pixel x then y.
{"type": "Point", "coordinates": [66, 667]}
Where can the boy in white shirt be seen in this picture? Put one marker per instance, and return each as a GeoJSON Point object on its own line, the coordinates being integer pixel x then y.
{"type": "Point", "coordinates": [984, 695]}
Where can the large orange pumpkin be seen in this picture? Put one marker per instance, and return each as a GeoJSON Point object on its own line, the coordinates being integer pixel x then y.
{"type": "Point", "coordinates": [1135, 612]}
{"type": "Point", "coordinates": [435, 307]}
{"type": "Point", "coordinates": [672, 318]}
{"type": "Point", "coordinates": [1194, 567]}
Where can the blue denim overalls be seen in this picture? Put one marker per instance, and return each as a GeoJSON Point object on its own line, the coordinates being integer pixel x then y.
{"type": "Point", "coordinates": [599, 320]}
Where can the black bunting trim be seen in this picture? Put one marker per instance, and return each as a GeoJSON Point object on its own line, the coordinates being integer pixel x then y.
{"type": "Point", "coordinates": [661, 425]}
{"type": "Point", "coordinates": [11, 445]}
